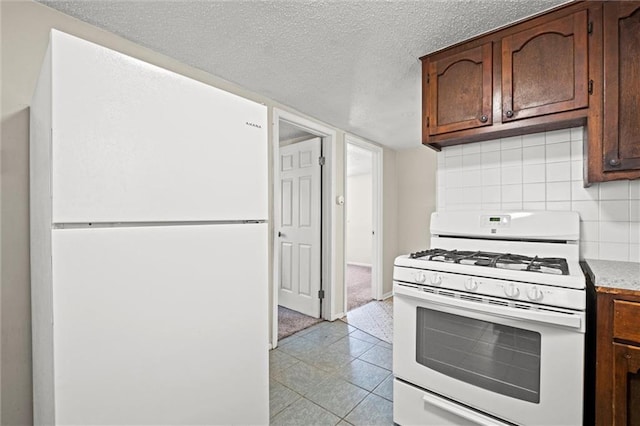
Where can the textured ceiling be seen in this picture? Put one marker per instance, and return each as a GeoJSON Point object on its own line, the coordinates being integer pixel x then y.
{"type": "Point", "coordinates": [352, 64]}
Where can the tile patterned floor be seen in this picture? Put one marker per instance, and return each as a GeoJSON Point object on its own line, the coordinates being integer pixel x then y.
{"type": "Point", "coordinates": [374, 318]}
{"type": "Point", "coordinates": [331, 374]}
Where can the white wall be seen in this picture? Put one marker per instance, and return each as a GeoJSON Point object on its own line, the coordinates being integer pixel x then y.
{"type": "Point", "coordinates": [543, 171]}
{"type": "Point", "coordinates": [25, 27]}
{"type": "Point", "coordinates": [359, 219]}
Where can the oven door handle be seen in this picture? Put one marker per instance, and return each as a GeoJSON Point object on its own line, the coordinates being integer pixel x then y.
{"type": "Point", "coordinates": [459, 411]}
{"type": "Point", "coordinates": [547, 317]}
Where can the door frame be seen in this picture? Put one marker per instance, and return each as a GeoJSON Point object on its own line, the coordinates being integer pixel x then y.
{"type": "Point", "coordinates": [376, 212]}
{"type": "Point", "coordinates": [328, 212]}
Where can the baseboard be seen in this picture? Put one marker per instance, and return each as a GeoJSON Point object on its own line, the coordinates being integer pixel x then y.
{"type": "Point", "coordinates": [366, 265]}
{"type": "Point", "coordinates": [387, 295]}
{"type": "Point", "coordinates": [337, 316]}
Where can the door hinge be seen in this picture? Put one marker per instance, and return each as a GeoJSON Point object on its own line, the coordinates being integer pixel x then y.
{"type": "Point", "coordinates": [321, 161]}
{"type": "Point", "coordinates": [590, 27]}
{"type": "Point", "coordinates": [591, 87]}
{"type": "Point", "coordinates": [320, 294]}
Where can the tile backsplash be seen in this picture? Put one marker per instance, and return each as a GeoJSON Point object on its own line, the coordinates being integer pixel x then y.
{"type": "Point", "coordinates": [543, 171]}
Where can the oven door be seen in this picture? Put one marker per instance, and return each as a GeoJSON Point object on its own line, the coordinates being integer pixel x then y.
{"type": "Point", "coordinates": [521, 365]}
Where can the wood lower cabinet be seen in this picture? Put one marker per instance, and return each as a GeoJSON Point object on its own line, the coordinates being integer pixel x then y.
{"type": "Point", "coordinates": [545, 68]}
{"type": "Point", "coordinates": [460, 91]}
{"type": "Point", "coordinates": [615, 153]}
{"type": "Point", "coordinates": [617, 384]}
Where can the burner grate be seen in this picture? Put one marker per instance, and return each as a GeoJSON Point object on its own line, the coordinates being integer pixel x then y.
{"type": "Point", "coordinates": [547, 265]}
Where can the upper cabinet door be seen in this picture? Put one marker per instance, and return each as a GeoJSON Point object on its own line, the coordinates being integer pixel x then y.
{"type": "Point", "coordinates": [621, 132]}
{"type": "Point", "coordinates": [460, 91]}
{"type": "Point", "coordinates": [545, 68]}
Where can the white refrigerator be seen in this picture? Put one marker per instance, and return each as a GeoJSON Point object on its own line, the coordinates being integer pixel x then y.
{"type": "Point", "coordinates": [148, 245]}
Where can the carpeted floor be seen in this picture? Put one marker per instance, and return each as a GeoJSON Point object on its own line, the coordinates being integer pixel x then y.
{"type": "Point", "coordinates": [290, 322]}
{"type": "Point", "coordinates": [358, 280]}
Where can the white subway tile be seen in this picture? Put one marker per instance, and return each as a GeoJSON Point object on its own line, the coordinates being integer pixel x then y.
{"type": "Point", "coordinates": [441, 177]}
{"type": "Point", "coordinates": [614, 211]}
{"type": "Point", "coordinates": [580, 193]}
{"type": "Point", "coordinates": [533, 139]}
{"type": "Point", "coordinates": [471, 177]}
{"type": "Point", "coordinates": [490, 159]}
{"type": "Point", "coordinates": [613, 251]}
{"type": "Point", "coordinates": [532, 173]}
{"type": "Point", "coordinates": [558, 172]}
{"type": "Point", "coordinates": [634, 232]}
{"type": "Point", "coordinates": [454, 196]}
{"type": "Point", "coordinates": [511, 157]}
{"type": "Point", "coordinates": [589, 250]}
{"type": "Point", "coordinates": [472, 195]}
{"type": "Point", "coordinates": [634, 189]}
{"type": "Point", "coordinates": [559, 205]}
{"type": "Point", "coordinates": [491, 206]}
{"type": "Point", "coordinates": [577, 170]}
{"type": "Point", "coordinates": [491, 194]}
{"type": "Point", "coordinates": [614, 232]}
{"type": "Point", "coordinates": [470, 148]}
{"type": "Point", "coordinates": [441, 200]}
{"type": "Point", "coordinates": [511, 193]}
{"type": "Point", "coordinates": [440, 158]}
{"type": "Point", "coordinates": [450, 151]}
{"type": "Point", "coordinates": [558, 152]}
{"type": "Point", "coordinates": [615, 190]}
{"type": "Point", "coordinates": [558, 191]}
{"type": "Point", "coordinates": [534, 205]}
{"type": "Point", "coordinates": [453, 179]}
{"type": "Point", "coordinates": [512, 206]}
{"type": "Point", "coordinates": [491, 177]}
{"type": "Point", "coordinates": [533, 154]}
{"type": "Point", "coordinates": [577, 133]}
{"type": "Point", "coordinates": [576, 150]}
{"type": "Point", "coordinates": [556, 136]}
{"type": "Point", "coordinates": [634, 210]}
{"type": "Point", "coordinates": [634, 252]}
{"type": "Point", "coordinates": [488, 146]}
{"type": "Point", "coordinates": [453, 163]}
{"type": "Point", "coordinates": [471, 161]}
{"type": "Point", "coordinates": [511, 175]}
{"type": "Point", "coordinates": [533, 192]}
{"type": "Point", "coordinates": [511, 143]}
{"type": "Point", "coordinates": [588, 210]}
{"type": "Point", "coordinates": [589, 231]}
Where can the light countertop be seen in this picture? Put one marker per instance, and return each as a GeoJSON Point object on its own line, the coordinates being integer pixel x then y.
{"type": "Point", "coordinates": [614, 275]}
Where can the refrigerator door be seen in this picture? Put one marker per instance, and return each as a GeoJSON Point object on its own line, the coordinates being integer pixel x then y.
{"type": "Point", "coordinates": [161, 325]}
{"type": "Point", "coordinates": [132, 142]}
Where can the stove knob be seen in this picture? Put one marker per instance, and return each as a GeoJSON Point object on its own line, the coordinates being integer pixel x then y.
{"type": "Point", "coordinates": [436, 279]}
{"type": "Point", "coordinates": [471, 284]}
{"type": "Point", "coordinates": [421, 277]}
{"type": "Point", "coordinates": [535, 294]}
{"type": "Point", "coordinates": [512, 291]}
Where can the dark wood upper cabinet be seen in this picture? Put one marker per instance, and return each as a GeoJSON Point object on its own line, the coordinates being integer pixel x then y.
{"type": "Point", "coordinates": [545, 68]}
{"type": "Point", "coordinates": [621, 112]}
{"type": "Point", "coordinates": [460, 91]}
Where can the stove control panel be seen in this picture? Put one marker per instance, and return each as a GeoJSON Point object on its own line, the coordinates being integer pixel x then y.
{"type": "Point", "coordinates": [509, 290]}
{"type": "Point", "coordinates": [495, 221]}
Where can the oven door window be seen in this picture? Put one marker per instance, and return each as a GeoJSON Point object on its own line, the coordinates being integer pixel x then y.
{"type": "Point", "coordinates": [492, 356]}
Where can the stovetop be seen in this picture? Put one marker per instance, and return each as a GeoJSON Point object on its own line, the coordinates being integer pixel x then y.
{"type": "Point", "coordinates": [514, 262]}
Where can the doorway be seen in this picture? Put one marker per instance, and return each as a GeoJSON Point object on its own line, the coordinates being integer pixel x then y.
{"type": "Point", "coordinates": [363, 223]}
{"type": "Point", "coordinates": [303, 221]}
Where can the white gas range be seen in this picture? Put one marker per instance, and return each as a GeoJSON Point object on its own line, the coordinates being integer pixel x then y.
{"type": "Point", "coordinates": [489, 324]}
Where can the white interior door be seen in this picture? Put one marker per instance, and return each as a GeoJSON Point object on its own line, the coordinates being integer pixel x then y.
{"type": "Point", "coordinates": [299, 233]}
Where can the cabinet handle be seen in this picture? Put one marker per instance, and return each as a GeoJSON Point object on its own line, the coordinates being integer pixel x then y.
{"type": "Point", "coordinates": [484, 118]}
{"type": "Point", "coordinates": [509, 114]}
{"type": "Point", "coordinates": [614, 162]}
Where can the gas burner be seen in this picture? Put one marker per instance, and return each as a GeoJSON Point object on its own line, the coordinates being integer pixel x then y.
{"type": "Point", "coordinates": [545, 265]}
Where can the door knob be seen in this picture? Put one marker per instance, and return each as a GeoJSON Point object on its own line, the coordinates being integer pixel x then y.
{"type": "Point", "coordinates": [509, 114]}
{"type": "Point", "coordinates": [280, 234]}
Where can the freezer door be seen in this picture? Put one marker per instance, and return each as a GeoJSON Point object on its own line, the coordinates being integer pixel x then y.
{"type": "Point", "coordinates": [132, 142]}
{"type": "Point", "coordinates": [161, 325]}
